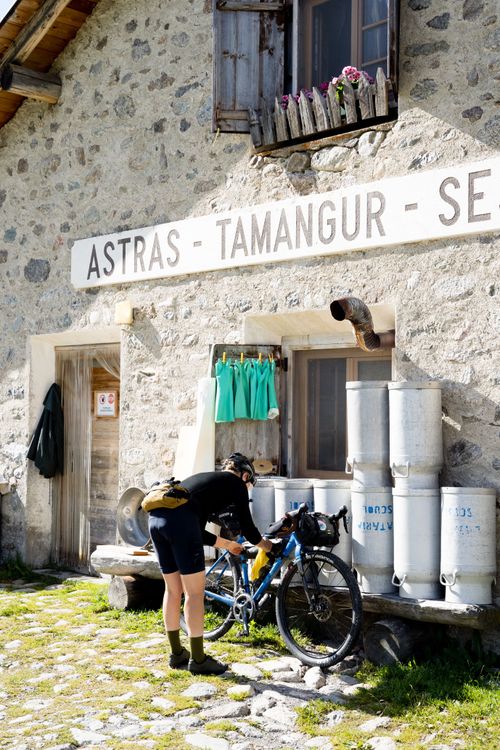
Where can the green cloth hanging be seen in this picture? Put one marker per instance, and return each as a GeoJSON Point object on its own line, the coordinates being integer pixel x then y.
{"type": "Point", "coordinates": [252, 384]}
{"type": "Point", "coordinates": [224, 397]}
{"type": "Point", "coordinates": [271, 392]}
{"type": "Point", "coordinates": [241, 390]}
{"type": "Point", "coordinates": [261, 404]}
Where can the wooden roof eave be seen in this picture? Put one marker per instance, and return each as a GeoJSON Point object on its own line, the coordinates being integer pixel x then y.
{"type": "Point", "coordinates": [27, 49]}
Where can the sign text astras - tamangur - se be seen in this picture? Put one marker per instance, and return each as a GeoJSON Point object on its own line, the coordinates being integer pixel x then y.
{"type": "Point", "coordinates": [432, 205]}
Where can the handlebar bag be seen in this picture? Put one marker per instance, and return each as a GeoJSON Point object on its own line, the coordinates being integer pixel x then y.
{"type": "Point", "coordinates": [318, 530]}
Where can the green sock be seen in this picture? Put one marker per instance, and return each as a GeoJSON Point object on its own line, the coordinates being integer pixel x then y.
{"type": "Point", "coordinates": [197, 650]}
{"type": "Point", "coordinates": [174, 638]}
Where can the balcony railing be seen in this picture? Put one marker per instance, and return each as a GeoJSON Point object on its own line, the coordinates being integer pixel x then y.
{"type": "Point", "coordinates": [304, 120]}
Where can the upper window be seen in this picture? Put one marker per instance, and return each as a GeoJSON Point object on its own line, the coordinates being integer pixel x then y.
{"type": "Point", "coordinates": [267, 48]}
{"type": "Point", "coordinates": [327, 35]}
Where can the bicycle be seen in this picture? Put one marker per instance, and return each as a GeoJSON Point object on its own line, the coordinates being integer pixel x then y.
{"type": "Point", "coordinates": [318, 602]}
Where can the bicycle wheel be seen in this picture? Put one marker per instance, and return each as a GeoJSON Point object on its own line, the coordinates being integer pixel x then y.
{"type": "Point", "coordinates": [223, 579]}
{"type": "Point", "coordinates": [319, 616]}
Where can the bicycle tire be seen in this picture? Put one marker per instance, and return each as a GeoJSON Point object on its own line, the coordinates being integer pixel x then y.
{"type": "Point", "coordinates": [325, 636]}
{"type": "Point", "coordinates": [224, 578]}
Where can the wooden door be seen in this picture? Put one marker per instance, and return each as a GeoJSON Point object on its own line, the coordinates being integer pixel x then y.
{"type": "Point", "coordinates": [85, 497]}
{"type": "Point", "coordinates": [104, 458]}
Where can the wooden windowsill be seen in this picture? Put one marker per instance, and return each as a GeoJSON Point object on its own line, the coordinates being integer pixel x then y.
{"type": "Point", "coordinates": [326, 137]}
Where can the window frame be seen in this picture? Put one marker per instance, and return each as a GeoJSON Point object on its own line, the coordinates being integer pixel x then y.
{"type": "Point", "coordinates": [301, 58]}
{"type": "Point", "coordinates": [272, 56]}
{"type": "Point", "coordinates": [301, 357]}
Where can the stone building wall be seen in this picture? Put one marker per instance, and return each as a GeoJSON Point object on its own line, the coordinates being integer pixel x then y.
{"type": "Point", "coordinates": [130, 145]}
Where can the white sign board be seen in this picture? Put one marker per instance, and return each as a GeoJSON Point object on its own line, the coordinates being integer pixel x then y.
{"type": "Point", "coordinates": [105, 403]}
{"type": "Point", "coordinates": [451, 202]}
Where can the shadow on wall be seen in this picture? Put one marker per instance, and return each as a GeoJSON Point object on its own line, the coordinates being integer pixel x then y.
{"type": "Point", "coordinates": [461, 44]}
{"type": "Point", "coordinates": [12, 526]}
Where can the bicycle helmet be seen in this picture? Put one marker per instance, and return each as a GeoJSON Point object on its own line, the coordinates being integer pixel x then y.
{"type": "Point", "coordinates": [241, 463]}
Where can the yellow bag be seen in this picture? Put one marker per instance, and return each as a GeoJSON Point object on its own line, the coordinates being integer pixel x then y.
{"type": "Point", "coordinates": [261, 561]}
{"type": "Point", "coordinates": [166, 494]}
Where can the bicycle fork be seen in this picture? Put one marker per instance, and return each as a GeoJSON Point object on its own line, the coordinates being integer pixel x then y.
{"type": "Point", "coordinates": [309, 580]}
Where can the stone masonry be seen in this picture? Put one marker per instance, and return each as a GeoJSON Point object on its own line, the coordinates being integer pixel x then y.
{"type": "Point", "coordinates": [130, 144]}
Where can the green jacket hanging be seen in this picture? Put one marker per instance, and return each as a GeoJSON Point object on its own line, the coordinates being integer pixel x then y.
{"type": "Point", "coordinates": [261, 404]}
{"type": "Point", "coordinates": [224, 397]}
{"type": "Point", "coordinates": [241, 389]}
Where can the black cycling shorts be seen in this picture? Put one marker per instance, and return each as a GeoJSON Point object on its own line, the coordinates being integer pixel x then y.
{"type": "Point", "coordinates": [176, 537]}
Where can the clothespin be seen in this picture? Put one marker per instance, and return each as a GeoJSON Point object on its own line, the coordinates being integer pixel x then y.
{"type": "Point", "coordinates": [223, 358]}
{"type": "Point", "coordinates": [241, 357]}
{"type": "Point", "coordinates": [260, 358]}
{"type": "Point", "coordinates": [270, 357]}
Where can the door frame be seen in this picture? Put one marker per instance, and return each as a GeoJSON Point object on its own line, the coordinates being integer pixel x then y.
{"type": "Point", "coordinates": [38, 528]}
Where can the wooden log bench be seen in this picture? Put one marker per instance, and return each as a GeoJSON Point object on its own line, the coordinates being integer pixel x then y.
{"type": "Point", "coordinates": [136, 579]}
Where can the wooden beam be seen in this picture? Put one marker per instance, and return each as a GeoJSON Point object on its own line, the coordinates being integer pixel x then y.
{"type": "Point", "coordinates": [45, 87]}
{"type": "Point", "coordinates": [433, 610]}
{"type": "Point", "coordinates": [36, 28]}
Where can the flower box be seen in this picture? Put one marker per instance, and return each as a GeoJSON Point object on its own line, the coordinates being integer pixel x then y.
{"type": "Point", "coordinates": [310, 115]}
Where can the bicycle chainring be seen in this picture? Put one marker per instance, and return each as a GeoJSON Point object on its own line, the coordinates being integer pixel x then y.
{"type": "Point", "coordinates": [243, 607]}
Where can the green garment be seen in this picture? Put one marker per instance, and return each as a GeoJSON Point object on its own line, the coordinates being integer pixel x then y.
{"type": "Point", "coordinates": [252, 384]}
{"type": "Point", "coordinates": [241, 390]}
{"type": "Point", "coordinates": [224, 397]}
{"type": "Point", "coordinates": [261, 404]}
{"type": "Point", "coordinates": [271, 392]}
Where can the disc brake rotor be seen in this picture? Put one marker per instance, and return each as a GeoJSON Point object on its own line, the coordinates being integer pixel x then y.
{"type": "Point", "coordinates": [321, 609]}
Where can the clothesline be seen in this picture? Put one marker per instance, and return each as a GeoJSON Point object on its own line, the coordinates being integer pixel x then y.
{"type": "Point", "coordinates": [242, 357]}
{"type": "Point", "coordinates": [245, 389]}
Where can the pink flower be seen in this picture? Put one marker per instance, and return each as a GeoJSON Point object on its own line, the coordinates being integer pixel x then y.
{"type": "Point", "coordinates": [351, 73]}
{"type": "Point", "coordinates": [368, 76]}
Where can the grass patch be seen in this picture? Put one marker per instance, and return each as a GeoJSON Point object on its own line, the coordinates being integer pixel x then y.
{"type": "Point", "coordinates": [87, 659]}
{"type": "Point", "coordinates": [221, 725]}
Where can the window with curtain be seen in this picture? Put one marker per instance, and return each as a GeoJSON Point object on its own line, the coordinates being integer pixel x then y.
{"type": "Point", "coordinates": [319, 405]}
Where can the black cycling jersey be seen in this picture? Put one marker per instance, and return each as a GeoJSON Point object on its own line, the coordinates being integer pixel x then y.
{"type": "Point", "coordinates": [212, 492]}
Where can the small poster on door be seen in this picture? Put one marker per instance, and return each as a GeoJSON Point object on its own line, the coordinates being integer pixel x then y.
{"type": "Point", "coordinates": [106, 403]}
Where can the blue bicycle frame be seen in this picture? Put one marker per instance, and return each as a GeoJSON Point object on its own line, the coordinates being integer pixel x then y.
{"type": "Point", "coordinates": [292, 544]}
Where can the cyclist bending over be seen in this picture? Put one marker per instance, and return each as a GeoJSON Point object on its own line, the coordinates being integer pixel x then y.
{"type": "Point", "coordinates": [178, 536]}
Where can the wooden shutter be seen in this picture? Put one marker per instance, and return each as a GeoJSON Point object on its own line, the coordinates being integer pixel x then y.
{"type": "Point", "coordinates": [248, 59]}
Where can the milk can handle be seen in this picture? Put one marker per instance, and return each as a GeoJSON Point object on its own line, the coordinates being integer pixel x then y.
{"type": "Point", "coordinates": [444, 580]}
{"type": "Point", "coordinates": [395, 473]}
{"type": "Point", "coordinates": [397, 581]}
{"type": "Point", "coordinates": [349, 465]}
